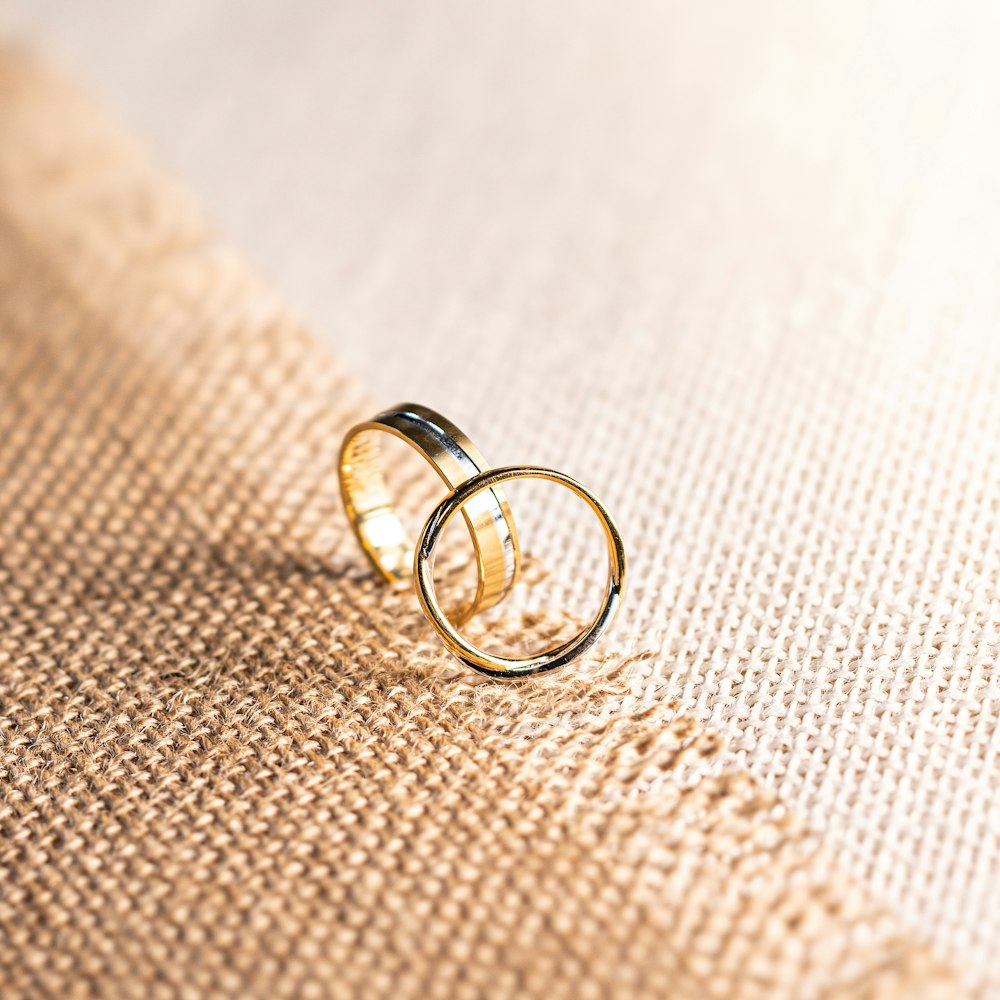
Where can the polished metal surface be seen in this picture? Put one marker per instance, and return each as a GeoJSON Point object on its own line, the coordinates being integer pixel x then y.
{"type": "Point", "coordinates": [456, 460]}
{"type": "Point", "coordinates": [501, 666]}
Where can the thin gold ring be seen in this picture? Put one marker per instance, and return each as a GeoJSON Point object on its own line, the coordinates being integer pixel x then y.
{"type": "Point", "coordinates": [456, 460]}
{"type": "Point", "coordinates": [502, 666]}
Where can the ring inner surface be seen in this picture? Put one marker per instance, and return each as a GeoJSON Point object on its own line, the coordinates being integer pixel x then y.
{"type": "Point", "coordinates": [378, 526]}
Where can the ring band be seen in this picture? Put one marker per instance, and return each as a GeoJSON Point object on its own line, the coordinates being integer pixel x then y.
{"type": "Point", "coordinates": [501, 666]}
{"type": "Point", "coordinates": [456, 460]}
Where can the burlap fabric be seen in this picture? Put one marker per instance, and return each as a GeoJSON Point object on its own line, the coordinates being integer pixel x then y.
{"type": "Point", "coordinates": [233, 765]}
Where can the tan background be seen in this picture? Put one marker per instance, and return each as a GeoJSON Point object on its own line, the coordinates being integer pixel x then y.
{"type": "Point", "coordinates": [733, 265]}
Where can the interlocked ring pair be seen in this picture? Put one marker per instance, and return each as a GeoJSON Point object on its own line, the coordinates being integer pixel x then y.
{"type": "Point", "coordinates": [475, 491]}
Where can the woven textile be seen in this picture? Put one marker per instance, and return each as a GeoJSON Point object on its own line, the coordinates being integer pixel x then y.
{"type": "Point", "coordinates": [233, 765]}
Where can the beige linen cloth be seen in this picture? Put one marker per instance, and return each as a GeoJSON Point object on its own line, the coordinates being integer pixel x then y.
{"type": "Point", "coordinates": [233, 765]}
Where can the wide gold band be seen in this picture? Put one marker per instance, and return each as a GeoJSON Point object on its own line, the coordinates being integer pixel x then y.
{"type": "Point", "coordinates": [501, 666]}
{"type": "Point", "coordinates": [456, 460]}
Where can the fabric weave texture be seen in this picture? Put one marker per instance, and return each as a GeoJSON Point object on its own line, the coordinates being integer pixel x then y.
{"type": "Point", "coordinates": [234, 765]}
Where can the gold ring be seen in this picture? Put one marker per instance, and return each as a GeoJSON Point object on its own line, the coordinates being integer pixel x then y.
{"type": "Point", "coordinates": [501, 666]}
{"type": "Point", "coordinates": [456, 460]}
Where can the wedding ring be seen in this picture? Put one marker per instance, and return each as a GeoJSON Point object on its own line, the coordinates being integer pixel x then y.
{"type": "Point", "coordinates": [501, 666]}
{"type": "Point", "coordinates": [456, 460]}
